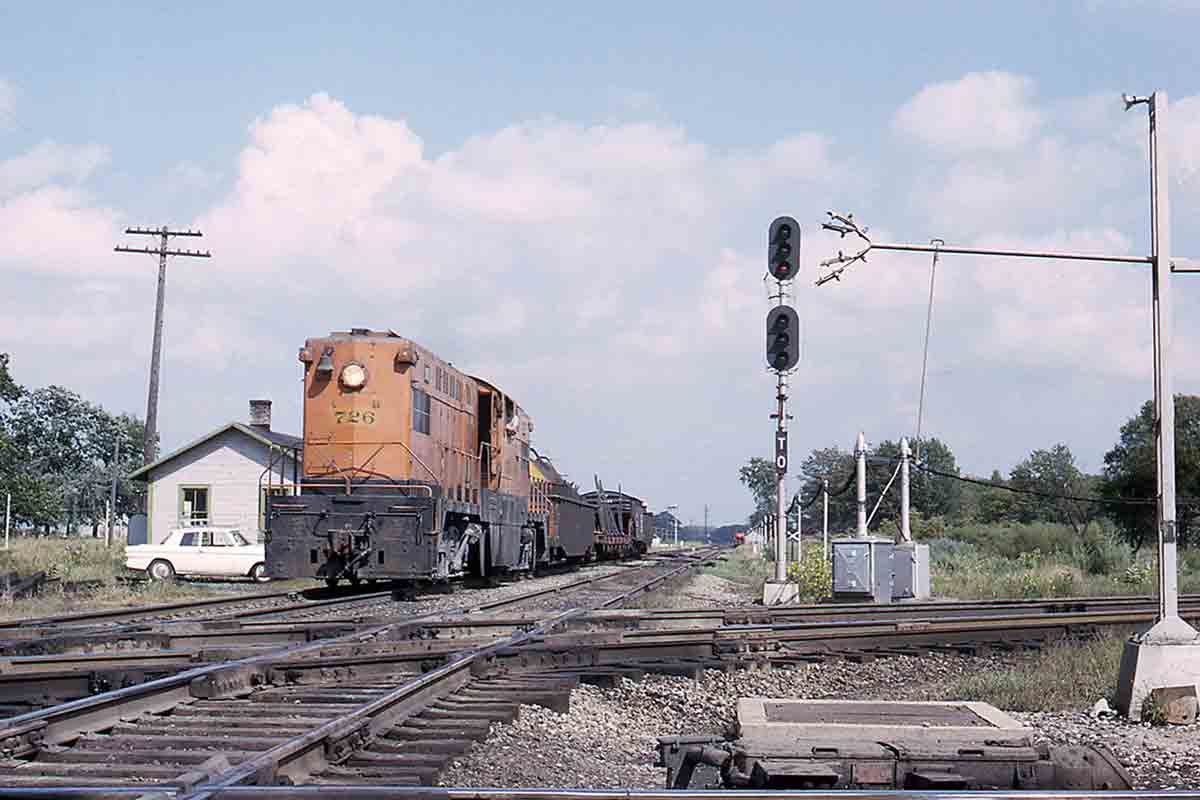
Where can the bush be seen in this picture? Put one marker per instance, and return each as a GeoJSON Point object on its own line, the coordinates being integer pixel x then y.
{"type": "Point", "coordinates": [814, 574]}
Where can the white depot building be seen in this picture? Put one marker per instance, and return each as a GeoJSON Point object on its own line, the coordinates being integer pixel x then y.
{"type": "Point", "coordinates": [222, 478]}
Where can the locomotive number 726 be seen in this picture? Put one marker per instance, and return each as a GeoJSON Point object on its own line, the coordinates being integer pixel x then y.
{"type": "Point", "coordinates": [355, 417]}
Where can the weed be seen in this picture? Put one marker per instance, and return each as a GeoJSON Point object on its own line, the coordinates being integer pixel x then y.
{"type": "Point", "coordinates": [1066, 675]}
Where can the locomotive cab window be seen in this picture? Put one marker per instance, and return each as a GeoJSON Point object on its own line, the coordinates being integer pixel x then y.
{"type": "Point", "coordinates": [420, 421]}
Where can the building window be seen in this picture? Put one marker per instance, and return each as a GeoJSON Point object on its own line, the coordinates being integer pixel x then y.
{"type": "Point", "coordinates": [428, 373]}
{"type": "Point", "coordinates": [420, 419]}
{"type": "Point", "coordinates": [194, 506]}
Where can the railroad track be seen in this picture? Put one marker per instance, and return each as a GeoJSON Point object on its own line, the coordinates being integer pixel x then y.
{"type": "Point", "coordinates": [295, 712]}
{"type": "Point", "coordinates": [76, 664]}
{"type": "Point", "coordinates": [40, 679]}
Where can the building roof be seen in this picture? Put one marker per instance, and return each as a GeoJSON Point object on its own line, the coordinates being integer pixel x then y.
{"type": "Point", "coordinates": [267, 438]}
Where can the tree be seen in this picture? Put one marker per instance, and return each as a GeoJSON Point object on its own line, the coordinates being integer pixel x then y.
{"type": "Point", "coordinates": [932, 495]}
{"type": "Point", "coordinates": [9, 390]}
{"type": "Point", "coordinates": [836, 466]}
{"type": "Point", "coordinates": [1053, 472]}
{"type": "Point", "coordinates": [759, 476]}
{"type": "Point", "coordinates": [993, 505]}
{"type": "Point", "coordinates": [1130, 473]}
{"type": "Point", "coordinates": [57, 457]}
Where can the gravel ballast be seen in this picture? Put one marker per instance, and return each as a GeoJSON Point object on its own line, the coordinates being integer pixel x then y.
{"type": "Point", "coordinates": [608, 738]}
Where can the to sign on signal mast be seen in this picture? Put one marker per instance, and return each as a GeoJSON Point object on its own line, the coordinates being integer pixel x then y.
{"type": "Point", "coordinates": [781, 452]}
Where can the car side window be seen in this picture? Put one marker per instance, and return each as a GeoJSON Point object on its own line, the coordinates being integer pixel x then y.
{"type": "Point", "coordinates": [220, 539]}
{"type": "Point", "coordinates": [238, 539]}
{"type": "Point", "coordinates": [206, 539]}
{"type": "Point", "coordinates": [188, 540]}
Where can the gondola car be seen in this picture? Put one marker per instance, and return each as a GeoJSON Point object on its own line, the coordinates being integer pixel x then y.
{"type": "Point", "coordinates": [570, 520]}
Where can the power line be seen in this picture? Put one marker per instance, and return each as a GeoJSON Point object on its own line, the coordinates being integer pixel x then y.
{"type": "Point", "coordinates": [1129, 501]}
{"type": "Point", "coordinates": [162, 251]}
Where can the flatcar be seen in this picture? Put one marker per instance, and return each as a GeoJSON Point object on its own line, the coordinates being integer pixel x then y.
{"type": "Point", "coordinates": [414, 471]}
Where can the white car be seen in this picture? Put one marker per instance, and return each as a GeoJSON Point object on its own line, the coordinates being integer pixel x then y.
{"type": "Point", "coordinates": [211, 552]}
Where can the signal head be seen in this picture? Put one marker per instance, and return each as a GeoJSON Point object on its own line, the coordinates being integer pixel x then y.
{"type": "Point", "coordinates": [783, 249]}
{"type": "Point", "coordinates": [783, 338]}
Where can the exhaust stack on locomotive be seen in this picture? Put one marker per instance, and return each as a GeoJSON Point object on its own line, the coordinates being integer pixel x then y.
{"type": "Point", "coordinates": [414, 471]}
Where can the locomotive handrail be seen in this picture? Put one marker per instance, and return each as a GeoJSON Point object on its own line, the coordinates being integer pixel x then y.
{"type": "Point", "coordinates": [428, 489]}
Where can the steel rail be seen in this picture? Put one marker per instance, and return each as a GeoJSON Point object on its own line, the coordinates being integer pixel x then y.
{"type": "Point", "coordinates": [385, 792]}
{"type": "Point", "coordinates": [23, 734]}
{"type": "Point", "coordinates": [372, 719]}
{"type": "Point", "coordinates": [69, 669]}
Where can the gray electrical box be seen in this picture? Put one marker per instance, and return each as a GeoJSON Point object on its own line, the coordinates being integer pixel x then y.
{"type": "Point", "coordinates": [910, 568]}
{"type": "Point", "coordinates": [862, 569]}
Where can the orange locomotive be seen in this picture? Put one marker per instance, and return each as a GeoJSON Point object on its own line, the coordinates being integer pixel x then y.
{"type": "Point", "coordinates": [413, 471]}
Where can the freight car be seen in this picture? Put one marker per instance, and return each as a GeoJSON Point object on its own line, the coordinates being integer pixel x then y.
{"type": "Point", "coordinates": [414, 471]}
{"type": "Point", "coordinates": [624, 526]}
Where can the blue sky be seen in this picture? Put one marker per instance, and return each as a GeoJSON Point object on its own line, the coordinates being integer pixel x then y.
{"type": "Point", "coordinates": [604, 178]}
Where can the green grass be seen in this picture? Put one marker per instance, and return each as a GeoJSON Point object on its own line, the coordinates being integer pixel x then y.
{"type": "Point", "coordinates": [1065, 676]}
{"type": "Point", "coordinates": [89, 559]}
{"type": "Point", "coordinates": [746, 569]}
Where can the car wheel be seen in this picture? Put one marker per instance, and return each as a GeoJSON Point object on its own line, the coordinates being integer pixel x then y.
{"type": "Point", "coordinates": [259, 572]}
{"type": "Point", "coordinates": [160, 570]}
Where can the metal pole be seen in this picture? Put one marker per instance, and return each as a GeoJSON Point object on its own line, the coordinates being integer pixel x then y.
{"type": "Point", "coordinates": [1169, 626]}
{"type": "Point", "coordinates": [860, 476]}
{"type": "Point", "coordinates": [905, 457]}
{"type": "Point", "coordinates": [112, 492]}
{"type": "Point", "coordinates": [148, 443]}
{"type": "Point", "coordinates": [825, 517]}
{"type": "Point", "coordinates": [7, 517]}
{"type": "Point", "coordinates": [780, 491]}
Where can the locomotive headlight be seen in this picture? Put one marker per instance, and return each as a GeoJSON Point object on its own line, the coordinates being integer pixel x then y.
{"type": "Point", "coordinates": [353, 376]}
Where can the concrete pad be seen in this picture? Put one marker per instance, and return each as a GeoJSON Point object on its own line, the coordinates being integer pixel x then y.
{"type": "Point", "coordinates": [767, 718]}
{"type": "Point", "coordinates": [779, 594]}
{"type": "Point", "coordinates": [1149, 665]}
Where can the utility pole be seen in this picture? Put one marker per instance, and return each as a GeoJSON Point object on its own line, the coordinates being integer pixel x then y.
{"type": "Point", "coordinates": [162, 251]}
{"type": "Point", "coordinates": [7, 517]}
{"type": "Point", "coordinates": [706, 523]}
{"type": "Point", "coordinates": [825, 516]}
{"type": "Point", "coordinates": [112, 492]}
{"type": "Point", "coordinates": [860, 479]}
{"type": "Point", "coordinates": [905, 457]}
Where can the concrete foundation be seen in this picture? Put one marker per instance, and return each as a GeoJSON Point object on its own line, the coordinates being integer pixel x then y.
{"type": "Point", "coordinates": [779, 594]}
{"type": "Point", "coordinates": [1152, 663]}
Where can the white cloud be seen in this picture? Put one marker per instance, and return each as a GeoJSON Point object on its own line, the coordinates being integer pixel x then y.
{"type": "Point", "coordinates": [50, 162]}
{"type": "Point", "coordinates": [979, 111]}
{"type": "Point", "coordinates": [609, 276]}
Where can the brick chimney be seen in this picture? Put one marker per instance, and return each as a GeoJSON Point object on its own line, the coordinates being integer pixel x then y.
{"type": "Point", "coordinates": [260, 414]}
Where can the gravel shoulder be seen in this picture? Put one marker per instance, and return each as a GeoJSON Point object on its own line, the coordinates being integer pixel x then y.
{"type": "Point", "coordinates": [608, 738]}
